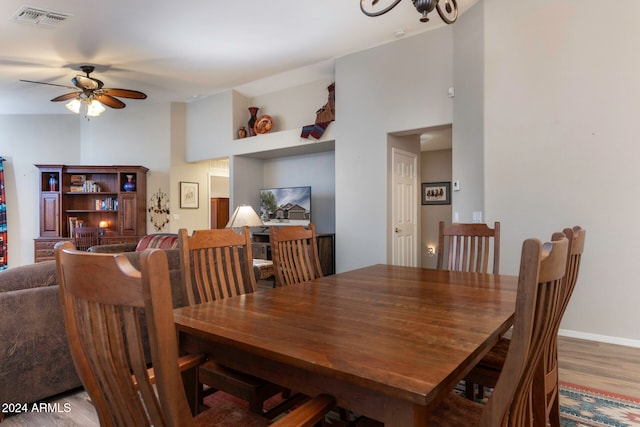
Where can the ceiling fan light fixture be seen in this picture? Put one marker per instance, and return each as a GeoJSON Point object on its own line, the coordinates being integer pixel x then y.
{"type": "Point", "coordinates": [94, 108]}
{"type": "Point", "coordinates": [74, 105]}
{"type": "Point", "coordinates": [88, 90]}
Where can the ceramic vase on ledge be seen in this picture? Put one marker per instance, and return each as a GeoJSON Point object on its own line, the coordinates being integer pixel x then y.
{"type": "Point", "coordinates": [242, 132]}
{"type": "Point", "coordinates": [130, 185]}
{"type": "Point", "coordinates": [53, 182]}
{"type": "Point", "coordinates": [252, 120]}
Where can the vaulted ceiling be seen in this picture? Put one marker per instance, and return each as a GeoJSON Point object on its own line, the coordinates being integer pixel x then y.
{"type": "Point", "coordinates": [181, 50]}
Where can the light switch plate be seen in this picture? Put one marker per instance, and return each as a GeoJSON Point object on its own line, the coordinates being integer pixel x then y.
{"type": "Point", "coordinates": [477, 217]}
{"type": "Point", "coordinates": [456, 185]}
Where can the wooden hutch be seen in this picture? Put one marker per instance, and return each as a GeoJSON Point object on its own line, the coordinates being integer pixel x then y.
{"type": "Point", "coordinates": [88, 195]}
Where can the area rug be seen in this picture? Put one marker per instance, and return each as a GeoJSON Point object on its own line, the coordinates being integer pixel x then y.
{"type": "Point", "coordinates": [579, 406]}
{"type": "Point", "coordinates": [587, 407]}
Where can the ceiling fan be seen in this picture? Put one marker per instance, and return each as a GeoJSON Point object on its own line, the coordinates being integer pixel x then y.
{"type": "Point", "coordinates": [89, 89]}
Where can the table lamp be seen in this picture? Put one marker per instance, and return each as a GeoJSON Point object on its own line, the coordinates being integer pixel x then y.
{"type": "Point", "coordinates": [244, 215]}
{"type": "Point", "coordinates": [102, 226]}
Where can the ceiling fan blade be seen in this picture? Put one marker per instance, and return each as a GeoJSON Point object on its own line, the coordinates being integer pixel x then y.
{"type": "Point", "coordinates": [50, 84]}
{"type": "Point", "coordinates": [125, 93]}
{"type": "Point", "coordinates": [66, 96]}
{"type": "Point", "coordinates": [110, 101]}
{"type": "Point", "coordinates": [83, 83]}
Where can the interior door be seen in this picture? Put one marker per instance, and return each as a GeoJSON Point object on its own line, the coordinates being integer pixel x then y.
{"type": "Point", "coordinates": [404, 228]}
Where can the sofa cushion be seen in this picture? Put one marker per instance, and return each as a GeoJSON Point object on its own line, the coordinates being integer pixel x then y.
{"type": "Point", "coordinates": [28, 276]}
{"type": "Point", "coordinates": [158, 241]}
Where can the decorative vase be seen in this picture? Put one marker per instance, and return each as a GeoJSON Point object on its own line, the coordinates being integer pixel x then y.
{"type": "Point", "coordinates": [242, 132]}
{"type": "Point", "coordinates": [130, 185]}
{"type": "Point", "coordinates": [53, 182]}
{"type": "Point", "coordinates": [254, 116]}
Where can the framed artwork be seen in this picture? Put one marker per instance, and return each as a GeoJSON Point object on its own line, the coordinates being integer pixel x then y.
{"type": "Point", "coordinates": [189, 195]}
{"type": "Point", "coordinates": [436, 193]}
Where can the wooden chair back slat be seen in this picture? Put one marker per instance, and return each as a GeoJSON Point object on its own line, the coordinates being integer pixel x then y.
{"type": "Point", "coordinates": [542, 268]}
{"type": "Point", "coordinates": [467, 247]}
{"type": "Point", "coordinates": [294, 251]}
{"type": "Point", "coordinates": [216, 264]}
{"type": "Point", "coordinates": [85, 237]}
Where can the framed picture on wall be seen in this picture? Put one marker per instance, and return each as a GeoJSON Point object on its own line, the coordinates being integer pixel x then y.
{"type": "Point", "coordinates": [436, 193]}
{"type": "Point", "coordinates": [189, 195]}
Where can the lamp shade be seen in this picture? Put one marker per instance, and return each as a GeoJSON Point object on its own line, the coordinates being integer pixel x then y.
{"type": "Point", "coordinates": [74, 105]}
{"type": "Point", "coordinates": [94, 108]}
{"type": "Point", "coordinates": [103, 224]}
{"type": "Point", "coordinates": [244, 216]}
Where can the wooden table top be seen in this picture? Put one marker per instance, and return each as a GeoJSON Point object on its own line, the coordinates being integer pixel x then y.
{"type": "Point", "coordinates": [381, 332]}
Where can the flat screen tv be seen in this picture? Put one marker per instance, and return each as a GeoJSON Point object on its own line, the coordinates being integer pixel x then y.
{"type": "Point", "coordinates": [285, 206]}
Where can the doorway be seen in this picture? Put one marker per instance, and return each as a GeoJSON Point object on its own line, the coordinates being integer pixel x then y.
{"type": "Point", "coordinates": [433, 149]}
{"type": "Point", "coordinates": [219, 209]}
{"type": "Point", "coordinates": [404, 183]}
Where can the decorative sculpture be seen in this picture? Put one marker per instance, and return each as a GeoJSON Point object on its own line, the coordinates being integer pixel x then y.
{"type": "Point", "coordinates": [324, 116]}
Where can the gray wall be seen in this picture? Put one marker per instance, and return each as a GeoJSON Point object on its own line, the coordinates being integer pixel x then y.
{"type": "Point", "coordinates": [316, 170]}
{"type": "Point", "coordinates": [395, 87]}
{"type": "Point", "coordinates": [468, 115]}
{"type": "Point", "coordinates": [436, 167]}
{"type": "Point", "coordinates": [562, 97]}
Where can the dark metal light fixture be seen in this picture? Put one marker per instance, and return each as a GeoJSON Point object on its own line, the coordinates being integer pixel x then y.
{"type": "Point", "coordinates": [449, 13]}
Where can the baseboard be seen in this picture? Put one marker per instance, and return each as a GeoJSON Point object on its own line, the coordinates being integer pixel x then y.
{"type": "Point", "coordinates": [600, 338]}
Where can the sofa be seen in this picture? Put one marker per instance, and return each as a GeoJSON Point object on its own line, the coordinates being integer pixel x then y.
{"type": "Point", "coordinates": [157, 240]}
{"type": "Point", "coordinates": [35, 361]}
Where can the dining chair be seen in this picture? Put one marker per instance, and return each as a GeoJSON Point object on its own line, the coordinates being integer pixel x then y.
{"type": "Point", "coordinates": [547, 377]}
{"type": "Point", "coordinates": [542, 268]}
{"type": "Point", "coordinates": [104, 299]}
{"type": "Point", "coordinates": [546, 387]}
{"type": "Point", "coordinates": [467, 247]}
{"type": "Point", "coordinates": [218, 264]}
{"type": "Point", "coordinates": [85, 237]}
{"type": "Point", "coordinates": [294, 251]}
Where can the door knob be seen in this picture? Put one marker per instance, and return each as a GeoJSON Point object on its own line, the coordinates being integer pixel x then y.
{"type": "Point", "coordinates": [397, 230]}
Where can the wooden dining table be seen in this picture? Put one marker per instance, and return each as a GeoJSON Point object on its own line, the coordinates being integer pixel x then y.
{"type": "Point", "coordinates": [388, 342]}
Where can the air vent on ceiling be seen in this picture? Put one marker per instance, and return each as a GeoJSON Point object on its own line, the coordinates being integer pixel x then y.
{"type": "Point", "coordinates": [37, 16]}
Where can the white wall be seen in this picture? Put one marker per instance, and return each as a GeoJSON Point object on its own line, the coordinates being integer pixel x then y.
{"type": "Point", "coordinates": [181, 170]}
{"type": "Point", "coordinates": [142, 134]}
{"type": "Point", "coordinates": [316, 170]}
{"type": "Point", "coordinates": [26, 140]}
{"type": "Point", "coordinates": [209, 124]}
{"type": "Point", "coordinates": [395, 87]}
{"type": "Point", "coordinates": [138, 135]}
{"type": "Point", "coordinates": [436, 167]}
{"type": "Point", "coordinates": [468, 116]}
{"type": "Point", "coordinates": [562, 98]}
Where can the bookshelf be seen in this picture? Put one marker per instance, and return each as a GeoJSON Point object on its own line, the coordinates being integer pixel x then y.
{"type": "Point", "coordinates": [86, 196]}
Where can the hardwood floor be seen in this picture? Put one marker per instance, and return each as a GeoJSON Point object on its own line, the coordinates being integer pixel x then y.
{"type": "Point", "coordinates": [599, 365]}
{"type": "Point", "coordinates": [592, 364]}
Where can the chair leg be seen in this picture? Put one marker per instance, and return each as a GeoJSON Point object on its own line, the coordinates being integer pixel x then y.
{"type": "Point", "coordinates": [554, 414]}
{"type": "Point", "coordinates": [539, 400]}
{"type": "Point", "coordinates": [256, 405]}
{"type": "Point", "coordinates": [470, 390]}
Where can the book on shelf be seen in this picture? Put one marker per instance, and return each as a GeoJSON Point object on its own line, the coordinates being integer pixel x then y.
{"type": "Point", "coordinates": [78, 180]}
{"type": "Point", "coordinates": [73, 222]}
